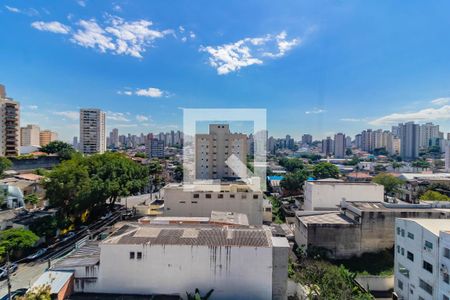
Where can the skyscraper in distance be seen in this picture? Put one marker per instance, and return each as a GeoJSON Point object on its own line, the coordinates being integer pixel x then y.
{"type": "Point", "coordinates": [92, 131]}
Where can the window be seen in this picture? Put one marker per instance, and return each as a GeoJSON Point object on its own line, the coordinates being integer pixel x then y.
{"type": "Point", "coordinates": [426, 287]}
{"type": "Point", "coordinates": [398, 230]}
{"type": "Point", "coordinates": [410, 235]}
{"type": "Point", "coordinates": [208, 196]}
{"type": "Point", "coordinates": [447, 253]}
{"type": "Point", "coordinates": [139, 255]}
{"type": "Point", "coordinates": [232, 196]}
{"type": "Point", "coordinates": [403, 232]}
{"type": "Point", "coordinates": [427, 266]}
{"type": "Point", "coordinates": [268, 209]}
{"type": "Point", "coordinates": [196, 195]}
{"type": "Point", "coordinates": [131, 255]}
{"type": "Point", "coordinates": [255, 196]}
{"type": "Point", "coordinates": [400, 284]}
{"type": "Point", "coordinates": [403, 251]}
{"type": "Point", "coordinates": [444, 297]}
{"type": "Point", "coordinates": [194, 202]}
{"type": "Point", "coordinates": [220, 196]}
{"type": "Point", "coordinates": [446, 278]}
{"type": "Point", "coordinates": [182, 201]}
{"type": "Point", "coordinates": [398, 249]}
{"type": "Point", "coordinates": [243, 196]}
{"type": "Point", "coordinates": [410, 256]}
{"type": "Point", "coordinates": [402, 270]}
{"type": "Point", "coordinates": [428, 245]}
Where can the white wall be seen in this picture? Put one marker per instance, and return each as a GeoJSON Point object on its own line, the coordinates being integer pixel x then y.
{"type": "Point", "coordinates": [327, 195]}
{"type": "Point", "coordinates": [233, 272]}
{"type": "Point", "coordinates": [183, 204]}
{"type": "Point", "coordinates": [444, 288]}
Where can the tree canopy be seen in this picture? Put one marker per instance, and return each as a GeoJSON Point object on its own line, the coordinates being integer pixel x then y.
{"type": "Point", "coordinates": [434, 196]}
{"type": "Point", "coordinates": [88, 184]}
{"type": "Point", "coordinates": [390, 182]}
{"type": "Point", "coordinates": [42, 292]}
{"type": "Point", "coordinates": [324, 170]}
{"type": "Point", "coordinates": [292, 183]}
{"type": "Point", "coordinates": [5, 164]}
{"type": "Point", "coordinates": [64, 150]}
{"type": "Point", "coordinates": [16, 239]}
{"type": "Point", "coordinates": [421, 163]}
{"type": "Point", "coordinates": [292, 164]}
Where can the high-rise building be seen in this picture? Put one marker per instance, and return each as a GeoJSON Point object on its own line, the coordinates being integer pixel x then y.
{"type": "Point", "coordinates": [75, 142]}
{"type": "Point", "coordinates": [367, 140]}
{"type": "Point", "coordinates": [29, 135]}
{"type": "Point", "coordinates": [47, 136]}
{"type": "Point", "coordinates": [214, 149]}
{"type": "Point", "coordinates": [114, 138]}
{"type": "Point", "coordinates": [428, 131]}
{"type": "Point", "coordinates": [154, 148]}
{"type": "Point", "coordinates": [409, 134]}
{"type": "Point", "coordinates": [92, 131]}
{"type": "Point", "coordinates": [307, 139]}
{"type": "Point", "coordinates": [9, 125]}
{"type": "Point", "coordinates": [358, 141]}
{"type": "Point", "coordinates": [348, 141]}
{"type": "Point", "coordinates": [339, 145]}
{"type": "Point", "coordinates": [327, 146]}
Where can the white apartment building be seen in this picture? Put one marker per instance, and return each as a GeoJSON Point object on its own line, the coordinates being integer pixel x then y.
{"type": "Point", "coordinates": [327, 194]}
{"type": "Point", "coordinates": [212, 151]}
{"type": "Point", "coordinates": [92, 131]}
{"type": "Point", "coordinates": [422, 258]}
{"type": "Point", "coordinates": [339, 145]}
{"type": "Point", "coordinates": [29, 135]}
{"type": "Point", "coordinates": [9, 125]}
{"type": "Point", "coordinates": [237, 262]}
{"type": "Point", "coordinates": [199, 200]}
{"type": "Point", "coordinates": [428, 131]}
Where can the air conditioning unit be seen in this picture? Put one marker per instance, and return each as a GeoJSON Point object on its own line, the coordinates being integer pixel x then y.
{"type": "Point", "coordinates": [444, 269]}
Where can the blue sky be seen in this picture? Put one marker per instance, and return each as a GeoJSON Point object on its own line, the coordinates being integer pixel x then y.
{"type": "Point", "coordinates": [318, 67]}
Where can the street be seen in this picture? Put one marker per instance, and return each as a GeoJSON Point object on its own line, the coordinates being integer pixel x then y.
{"type": "Point", "coordinates": [24, 277]}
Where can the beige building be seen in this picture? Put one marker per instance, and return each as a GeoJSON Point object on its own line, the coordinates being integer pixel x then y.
{"type": "Point", "coordinates": [214, 149]}
{"type": "Point", "coordinates": [9, 125]}
{"type": "Point", "coordinates": [92, 131]}
{"type": "Point", "coordinates": [29, 135]}
{"type": "Point", "coordinates": [197, 200]}
{"type": "Point", "coordinates": [47, 136]}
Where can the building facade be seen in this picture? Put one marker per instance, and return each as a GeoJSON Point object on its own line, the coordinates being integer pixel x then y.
{"type": "Point", "coordinates": [214, 149]}
{"type": "Point", "coordinates": [10, 125]}
{"type": "Point", "coordinates": [409, 134]}
{"type": "Point", "coordinates": [155, 148]}
{"type": "Point", "coordinates": [47, 136]}
{"type": "Point", "coordinates": [29, 135]}
{"type": "Point", "coordinates": [92, 131]}
{"type": "Point", "coordinates": [339, 145]}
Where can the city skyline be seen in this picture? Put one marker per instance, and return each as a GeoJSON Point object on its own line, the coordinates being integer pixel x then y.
{"type": "Point", "coordinates": [289, 60]}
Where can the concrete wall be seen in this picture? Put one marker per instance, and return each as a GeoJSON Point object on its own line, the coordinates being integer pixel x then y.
{"type": "Point", "coordinates": [280, 267]}
{"type": "Point", "coordinates": [444, 288]}
{"type": "Point", "coordinates": [376, 283]}
{"type": "Point", "coordinates": [183, 204]}
{"type": "Point", "coordinates": [327, 196]}
{"type": "Point", "coordinates": [233, 272]}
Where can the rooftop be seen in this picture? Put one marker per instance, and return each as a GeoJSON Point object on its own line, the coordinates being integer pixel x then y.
{"type": "Point", "coordinates": [194, 234]}
{"type": "Point", "coordinates": [386, 207]}
{"type": "Point", "coordinates": [87, 255]}
{"type": "Point", "coordinates": [337, 181]}
{"type": "Point", "coordinates": [55, 279]}
{"type": "Point", "coordinates": [432, 225]}
{"type": "Point", "coordinates": [326, 218]}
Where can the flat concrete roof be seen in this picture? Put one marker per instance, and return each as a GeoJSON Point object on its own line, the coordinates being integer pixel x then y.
{"type": "Point", "coordinates": [326, 218]}
{"type": "Point", "coordinates": [55, 279]}
{"type": "Point", "coordinates": [432, 225]}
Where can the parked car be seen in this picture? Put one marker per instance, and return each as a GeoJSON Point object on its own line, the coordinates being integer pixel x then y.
{"type": "Point", "coordinates": [15, 294]}
{"type": "Point", "coordinates": [37, 254]}
{"type": "Point", "coordinates": [12, 268]}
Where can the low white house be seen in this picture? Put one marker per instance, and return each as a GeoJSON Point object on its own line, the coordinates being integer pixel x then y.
{"type": "Point", "coordinates": [327, 194]}
{"type": "Point", "coordinates": [244, 262]}
{"type": "Point", "coordinates": [195, 200]}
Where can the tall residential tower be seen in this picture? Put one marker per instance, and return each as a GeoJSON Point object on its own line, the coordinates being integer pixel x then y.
{"type": "Point", "coordinates": [92, 131]}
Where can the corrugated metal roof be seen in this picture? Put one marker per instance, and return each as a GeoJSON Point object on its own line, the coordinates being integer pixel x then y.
{"type": "Point", "coordinates": [87, 255]}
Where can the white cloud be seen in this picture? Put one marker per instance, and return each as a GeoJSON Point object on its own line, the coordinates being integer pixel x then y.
{"type": "Point", "coordinates": [141, 118]}
{"type": "Point", "coordinates": [117, 7]}
{"type": "Point", "coordinates": [248, 51]}
{"type": "Point", "coordinates": [116, 116]}
{"type": "Point", "coordinates": [116, 36]}
{"type": "Point", "coordinates": [192, 35]}
{"type": "Point", "coordinates": [54, 27]}
{"type": "Point", "coordinates": [315, 111]}
{"type": "Point", "coordinates": [32, 107]}
{"type": "Point", "coordinates": [72, 115]}
{"type": "Point", "coordinates": [441, 101]}
{"type": "Point", "coordinates": [150, 92]}
{"type": "Point", "coordinates": [181, 28]}
{"type": "Point", "coordinates": [13, 9]}
{"type": "Point", "coordinates": [427, 114]}
{"type": "Point", "coordinates": [81, 3]}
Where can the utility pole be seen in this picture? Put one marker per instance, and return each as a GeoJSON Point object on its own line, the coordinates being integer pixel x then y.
{"type": "Point", "coordinates": [8, 280]}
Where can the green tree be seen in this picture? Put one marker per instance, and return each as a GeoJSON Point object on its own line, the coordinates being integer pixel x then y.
{"type": "Point", "coordinates": [434, 196]}
{"type": "Point", "coordinates": [5, 164]}
{"type": "Point", "coordinates": [62, 149]}
{"type": "Point", "coordinates": [292, 164]}
{"type": "Point", "coordinates": [16, 239]}
{"type": "Point", "coordinates": [397, 165]}
{"type": "Point", "coordinates": [42, 292]}
{"type": "Point", "coordinates": [178, 173]}
{"type": "Point", "coordinates": [198, 296]}
{"type": "Point", "coordinates": [421, 163]}
{"type": "Point", "coordinates": [141, 155]}
{"type": "Point", "coordinates": [390, 182]}
{"type": "Point", "coordinates": [32, 199]}
{"type": "Point", "coordinates": [325, 170]}
{"type": "Point", "coordinates": [292, 183]}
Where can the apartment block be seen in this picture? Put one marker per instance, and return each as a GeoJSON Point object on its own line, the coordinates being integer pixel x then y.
{"type": "Point", "coordinates": [422, 258]}
{"type": "Point", "coordinates": [47, 136]}
{"type": "Point", "coordinates": [155, 148]}
{"type": "Point", "coordinates": [29, 135]}
{"type": "Point", "coordinates": [9, 125]}
{"type": "Point", "coordinates": [214, 149]}
{"type": "Point", "coordinates": [92, 131]}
